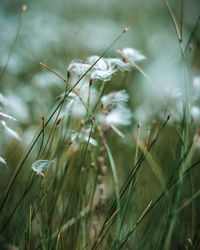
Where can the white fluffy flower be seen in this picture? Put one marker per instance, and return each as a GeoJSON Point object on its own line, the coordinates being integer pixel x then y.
{"type": "Point", "coordinates": [46, 79]}
{"type": "Point", "coordinates": [133, 54]}
{"type": "Point", "coordinates": [195, 112]}
{"type": "Point", "coordinates": [103, 75]}
{"type": "Point", "coordinates": [115, 110]}
{"type": "Point", "coordinates": [101, 64]}
{"type": "Point", "coordinates": [196, 88]}
{"type": "Point", "coordinates": [74, 105]}
{"type": "Point", "coordinates": [40, 166]}
{"type": "Point", "coordinates": [78, 68]}
{"type": "Point", "coordinates": [9, 131]}
{"type": "Point", "coordinates": [7, 116]}
{"type": "Point", "coordinates": [3, 161]}
{"type": "Point", "coordinates": [115, 97]}
{"type": "Point", "coordinates": [196, 82]}
{"type": "Point", "coordinates": [119, 116]}
{"type": "Point", "coordinates": [117, 63]}
{"type": "Point", "coordinates": [83, 136]}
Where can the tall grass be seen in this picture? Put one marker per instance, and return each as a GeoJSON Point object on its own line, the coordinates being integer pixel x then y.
{"type": "Point", "coordinates": [95, 178]}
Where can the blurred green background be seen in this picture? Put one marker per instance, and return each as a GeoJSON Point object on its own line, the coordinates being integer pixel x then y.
{"type": "Point", "coordinates": [56, 32]}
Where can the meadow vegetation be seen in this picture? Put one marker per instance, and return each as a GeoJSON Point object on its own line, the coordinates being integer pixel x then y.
{"type": "Point", "coordinates": [99, 148]}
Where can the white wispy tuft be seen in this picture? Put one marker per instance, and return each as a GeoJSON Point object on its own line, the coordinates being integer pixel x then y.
{"type": "Point", "coordinates": [195, 112]}
{"type": "Point", "coordinates": [40, 166]}
{"type": "Point", "coordinates": [3, 161]}
{"type": "Point", "coordinates": [83, 136]}
{"type": "Point", "coordinates": [105, 67]}
{"type": "Point", "coordinates": [101, 64]}
{"type": "Point", "coordinates": [117, 63]}
{"type": "Point", "coordinates": [103, 75]}
{"type": "Point", "coordinates": [78, 68]}
{"type": "Point", "coordinates": [9, 131]}
{"type": "Point", "coordinates": [115, 110]}
{"type": "Point", "coordinates": [115, 97]}
{"type": "Point", "coordinates": [3, 100]}
{"type": "Point", "coordinates": [133, 54]}
{"type": "Point", "coordinates": [196, 82]}
{"type": "Point", "coordinates": [119, 116]}
{"type": "Point", "coordinates": [7, 116]}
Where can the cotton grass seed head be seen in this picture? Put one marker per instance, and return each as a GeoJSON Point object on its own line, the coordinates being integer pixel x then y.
{"type": "Point", "coordinates": [117, 63]}
{"type": "Point", "coordinates": [132, 54]}
{"type": "Point", "coordinates": [83, 136]}
{"type": "Point", "coordinates": [115, 98]}
{"type": "Point", "coordinates": [78, 68]}
{"type": "Point", "coordinates": [119, 116]}
{"type": "Point", "coordinates": [4, 115]}
{"type": "Point", "coordinates": [40, 166]}
{"type": "Point", "coordinates": [103, 75]}
{"type": "Point", "coordinates": [101, 64]}
{"type": "Point", "coordinates": [9, 131]}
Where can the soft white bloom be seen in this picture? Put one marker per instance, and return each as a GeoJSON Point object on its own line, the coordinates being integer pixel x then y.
{"type": "Point", "coordinates": [46, 79]}
{"type": "Point", "coordinates": [6, 116]}
{"type": "Point", "coordinates": [115, 97]}
{"type": "Point", "coordinates": [100, 71]}
{"type": "Point", "coordinates": [196, 82]}
{"type": "Point", "coordinates": [75, 107]}
{"type": "Point", "coordinates": [176, 92]}
{"type": "Point", "coordinates": [196, 88]}
{"type": "Point", "coordinates": [83, 136]}
{"type": "Point", "coordinates": [117, 63]}
{"type": "Point", "coordinates": [103, 75]}
{"type": "Point", "coordinates": [9, 131]}
{"type": "Point", "coordinates": [3, 100]}
{"type": "Point", "coordinates": [119, 116]}
{"type": "Point", "coordinates": [40, 166]}
{"type": "Point", "coordinates": [3, 161]}
{"type": "Point", "coordinates": [195, 112]}
{"type": "Point", "coordinates": [101, 64]}
{"type": "Point", "coordinates": [19, 107]}
{"type": "Point", "coordinates": [115, 110]}
{"type": "Point", "coordinates": [133, 54]}
{"type": "Point", "coordinates": [78, 68]}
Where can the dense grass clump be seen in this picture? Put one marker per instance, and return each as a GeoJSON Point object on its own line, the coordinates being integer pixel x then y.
{"type": "Point", "coordinates": [107, 167]}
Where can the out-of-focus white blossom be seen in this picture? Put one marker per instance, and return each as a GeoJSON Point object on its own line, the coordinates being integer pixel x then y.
{"type": "Point", "coordinates": [133, 54]}
{"type": "Point", "coordinates": [103, 75]}
{"type": "Point", "coordinates": [195, 112]}
{"type": "Point", "coordinates": [7, 116]}
{"type": "Point", "coordinates": [78, 68]}
{"type": "Point", "coordinates": [196, 82]}
{"type": "Point", "coordinates": [119, 116]}
{"type": "Point", "coordinates": [83, 136]}
{"type": "Point", "coordinates": [3, 161]}
{"type": "Point", "coordinates": [46, 79]}
{"type": "Point", "coordinates": [40, 166]}
{"type": "Point", "coordinates": [19, 107]}
{"type": "Point", "coordinates": [115, 97]}
{"type": "Point", "coordinates": [75, 107]}
{"type": "Point", "coordinates": [196, 88]}
{"type": "Point", "coordinates": [114, 109]}
{"type": "Point", "coordinates": [102, 71]}
{"type": "Point", "coordinates": [9, 131]}
{"type": "Point", "coordinates": [105, 67]}
{"type": "Point", "coordinates": [117, 63]}
{"type": "Point", "coordinates": [3, 100]}
{"type": "Point", "coordinates": [101, 64]}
